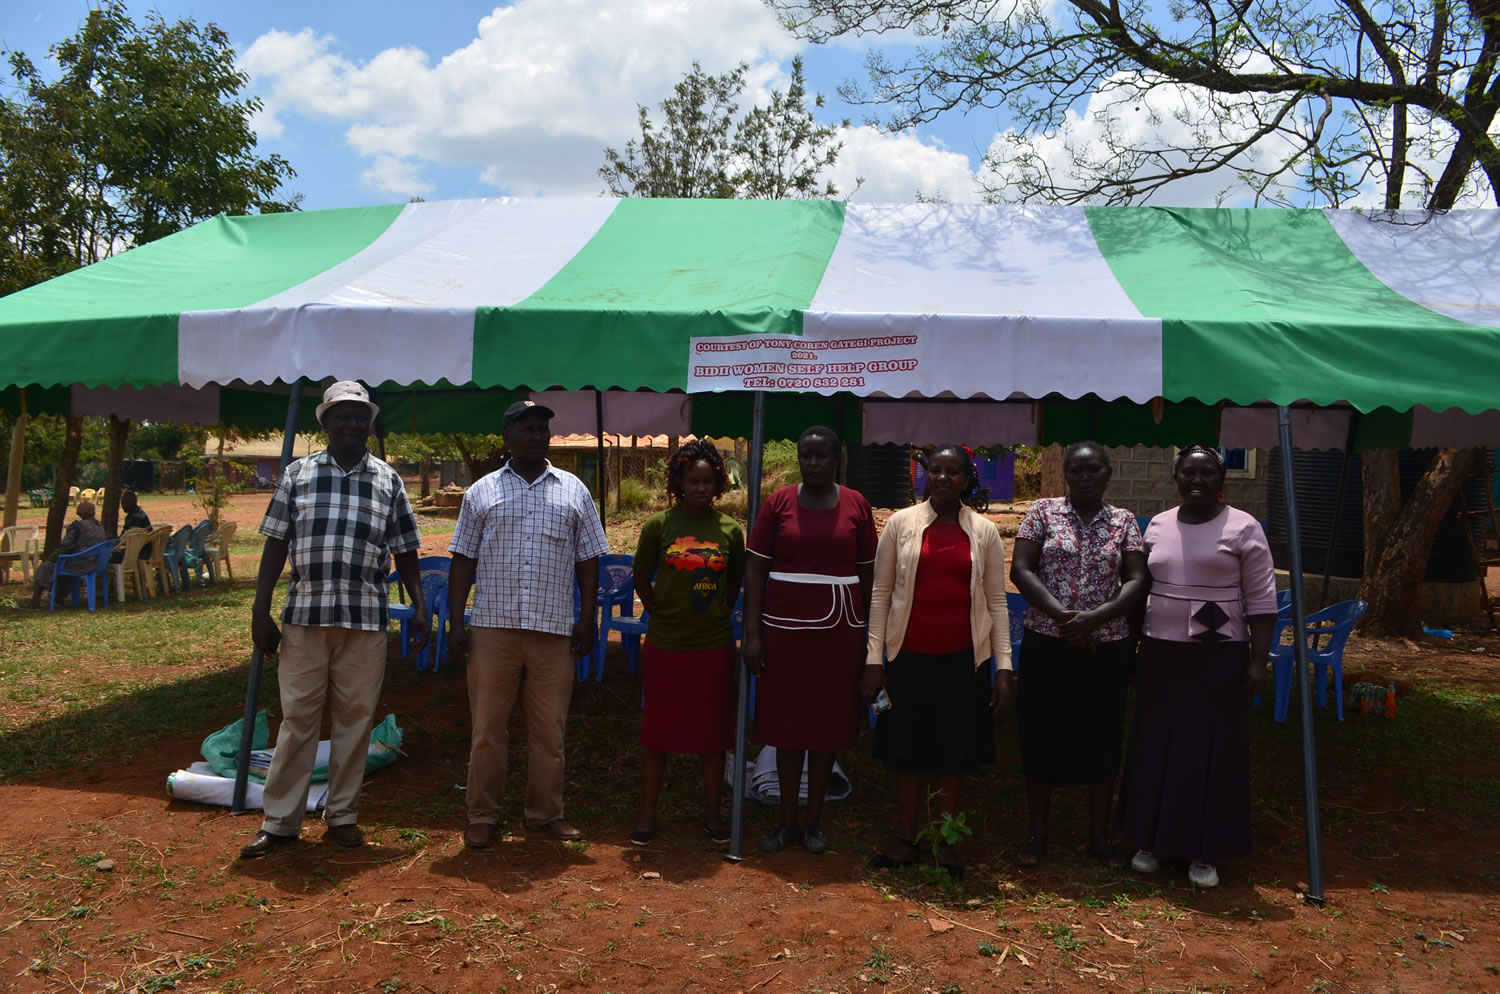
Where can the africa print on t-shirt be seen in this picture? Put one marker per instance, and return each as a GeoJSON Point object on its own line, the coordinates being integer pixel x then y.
{"type": "Point", "coordinates": [705, 562]}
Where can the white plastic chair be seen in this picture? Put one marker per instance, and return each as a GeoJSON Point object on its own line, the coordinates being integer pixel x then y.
{"type": "Point", "coordinates": [23, 544]}
{"type": "Point", "coordinates": [216, 547]}
{"type": "Point", "coordinates": [132, 540]}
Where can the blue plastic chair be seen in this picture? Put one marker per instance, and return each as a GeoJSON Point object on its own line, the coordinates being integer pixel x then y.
{"type": "Point", "coordinates": [435, 593]}
{"type": "Point", "coordinates": [199, 535]}
{"type": "Point", "coordinates": [1327, 633]}
{"type": "Point", "coordinates": [171, 557]}
{"type": "Point", "coordinates": [1283, 600]}
{"type": "Point", "coordinates": [1141, 521]}
{"type": "Point", "coordinates": [1017, 606]}
{"type": "Point", "coordinates": [616, 589]}
{"type": "Point", "coordinates": [98, 567]}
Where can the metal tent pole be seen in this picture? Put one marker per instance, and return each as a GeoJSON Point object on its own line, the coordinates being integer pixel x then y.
{"type": "Point", "coordinates": [742, 707]}
{"type": "Point", "coordinates": [1304, 686]}
{"type": "Point", "coordinates": [257, 660]}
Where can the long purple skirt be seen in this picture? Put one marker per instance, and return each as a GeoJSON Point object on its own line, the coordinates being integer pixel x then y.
{"type": "Point", "coordinates": [1186, 792]}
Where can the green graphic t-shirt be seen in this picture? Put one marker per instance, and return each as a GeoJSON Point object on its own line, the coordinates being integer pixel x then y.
{"type": "Point", "coordinates": [698, 562]}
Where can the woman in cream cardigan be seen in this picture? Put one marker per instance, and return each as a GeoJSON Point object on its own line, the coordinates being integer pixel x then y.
{"type": "Point", "coordinates": [937, 615]}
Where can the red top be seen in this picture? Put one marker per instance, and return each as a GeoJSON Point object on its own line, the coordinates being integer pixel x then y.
{"type": "Point", "coordinates": [940, 596]}
{"type": "Point", "coordinates": [805, 544]}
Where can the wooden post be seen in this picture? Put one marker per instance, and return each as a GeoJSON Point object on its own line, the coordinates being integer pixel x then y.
{"type": "Point", "coordinates": [17, 463]}
{"type": "Point", "coordinates": [1052, 472]}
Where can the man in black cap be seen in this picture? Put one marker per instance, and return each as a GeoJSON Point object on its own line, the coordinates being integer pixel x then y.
{"type": "Point", "coordinates": [526, 534]}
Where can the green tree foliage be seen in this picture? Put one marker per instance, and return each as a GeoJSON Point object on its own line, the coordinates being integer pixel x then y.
{"type": "Point", "coordinates": [142, 133]}
{"type": "Point", "coordinates": [1305, 101]}
{"type": "Point", "coordinates": [704, 148]}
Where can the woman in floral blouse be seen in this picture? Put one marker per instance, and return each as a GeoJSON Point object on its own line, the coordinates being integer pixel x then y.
{"type": "Point", "coordinates": [1081, 566]}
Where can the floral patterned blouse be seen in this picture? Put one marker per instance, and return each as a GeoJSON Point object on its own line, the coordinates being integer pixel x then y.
{"type": "Point", "coordinates": [1080, 561]}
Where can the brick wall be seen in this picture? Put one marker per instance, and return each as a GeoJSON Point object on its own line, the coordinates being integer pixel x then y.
{"type": "Point", "coordinates": [1143, 482]}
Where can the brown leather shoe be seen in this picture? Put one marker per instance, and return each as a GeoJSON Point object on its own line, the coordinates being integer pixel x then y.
{"type": "Point", "coordinates": [479, 835]}
{"type": "Point", "coordinates": [558, 829]}
{"type": "Point", "coordinates": [264, 842]}
{"type": "Point", "coordinates": [348, 836]}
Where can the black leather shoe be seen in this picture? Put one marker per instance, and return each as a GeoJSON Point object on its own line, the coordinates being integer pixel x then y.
{"type": "Point", "coordinates": [348, 836]}
{"type": "Point", "coordinates": [264, 842]}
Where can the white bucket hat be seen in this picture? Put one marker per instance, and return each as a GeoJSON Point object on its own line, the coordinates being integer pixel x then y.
{"type": "Point", "coordinates": [346, 390]}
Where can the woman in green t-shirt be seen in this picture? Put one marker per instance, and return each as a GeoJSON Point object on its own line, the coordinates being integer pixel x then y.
{"type": "Point", "coordinates": [687, 571]}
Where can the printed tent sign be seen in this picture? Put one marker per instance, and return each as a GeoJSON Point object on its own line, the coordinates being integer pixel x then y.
{"type": "Point", "coordinates": [1209, 305]}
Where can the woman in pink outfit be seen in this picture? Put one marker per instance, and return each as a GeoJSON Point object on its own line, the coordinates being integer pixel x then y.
{"type": "Point", "coordinates": [1209, 621]}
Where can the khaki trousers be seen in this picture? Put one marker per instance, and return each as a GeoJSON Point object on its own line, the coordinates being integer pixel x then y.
{"type": "Point", "coordinates": [498, 658]}
{"type": "Point", "coordinates": [315, 661]}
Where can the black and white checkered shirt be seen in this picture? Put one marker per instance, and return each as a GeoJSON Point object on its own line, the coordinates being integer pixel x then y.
{"type": "Point", "coordinates": [526, 540]}
{"type": "Point", "coordinates": [342, 529]}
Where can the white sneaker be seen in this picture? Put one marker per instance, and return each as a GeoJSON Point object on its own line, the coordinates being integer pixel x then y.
{"type": "Point", "coordinates": [1203, 874]}
{"type": "Point", "coordinates": [1144, 862]}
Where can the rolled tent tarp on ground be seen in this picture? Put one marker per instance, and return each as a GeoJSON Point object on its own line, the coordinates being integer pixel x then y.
{"type": "Point", "coordinates": [1193, 305]}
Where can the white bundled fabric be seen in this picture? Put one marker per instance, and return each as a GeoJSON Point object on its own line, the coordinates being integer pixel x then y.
{"type": "Point", "coordinates": [761, 783]}
{"type": "Point", "coordinates": [200, 784]}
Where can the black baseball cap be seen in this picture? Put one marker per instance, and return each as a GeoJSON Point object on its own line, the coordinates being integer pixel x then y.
{"type": "Point", "coordinates": [520, 409]}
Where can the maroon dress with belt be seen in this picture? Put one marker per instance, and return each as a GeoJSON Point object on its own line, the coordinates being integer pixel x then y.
{"type": "Point", "coordinates": [813, 620]}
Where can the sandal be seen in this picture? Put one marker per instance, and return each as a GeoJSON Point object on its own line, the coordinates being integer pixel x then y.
{"type": "Point", "coordinates": [885, 861]}
{"type": "Point", "coordinates": [1032, 851]}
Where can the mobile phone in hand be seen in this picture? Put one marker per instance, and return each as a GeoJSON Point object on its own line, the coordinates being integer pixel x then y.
{"type": "Point", "coordinates": [882, 702]}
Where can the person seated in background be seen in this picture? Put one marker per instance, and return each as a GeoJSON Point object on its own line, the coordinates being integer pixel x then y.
{"type": "Point", "coordinates": [135, 517]}
{"type": "Point", "coordinates": [82, 533]}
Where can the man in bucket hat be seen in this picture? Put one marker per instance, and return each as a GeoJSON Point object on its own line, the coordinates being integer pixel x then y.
{"type": "Point", "coordinates": [526, 532]}
{"type": "Point", "coordinates": [338, 515]}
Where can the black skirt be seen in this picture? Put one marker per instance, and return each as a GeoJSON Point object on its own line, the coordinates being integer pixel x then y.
{"type": "Point", "coordinates": [1071, 709]}
{"type": "Point", "coordinates": [1186, 792]}
{"type": "Point", "coordinates": [940, 723]}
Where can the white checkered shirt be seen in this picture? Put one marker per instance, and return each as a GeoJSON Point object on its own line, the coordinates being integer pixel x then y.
{"type": "Point", "coordinates": [527, 540]}
{"type": "Point", "coordinates": [342, 529]}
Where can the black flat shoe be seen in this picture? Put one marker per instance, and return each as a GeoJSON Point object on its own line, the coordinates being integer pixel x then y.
{"type": "Point", "coordinates": [1032, 851]}
{"type": "Point", "coordinates": [885, 861]}
{"type": "Point", "coordinates": [264, 842]}
{"type": "Point", "coordinates": [786, 835]}
{"type": "Point", "coordinates": [642, 836]}
{"type": "Point", "coordinates": [717, 834]}
{"type": "Point", "coordinates": [1106, 855]}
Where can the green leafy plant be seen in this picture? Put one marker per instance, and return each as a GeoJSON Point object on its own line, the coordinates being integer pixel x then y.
{"type": "Point", "coordinates": [942, 832]}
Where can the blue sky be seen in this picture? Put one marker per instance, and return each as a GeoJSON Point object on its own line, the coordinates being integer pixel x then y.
{"type": "Point", "coordinates": [377, 101]}
{"type": "Point", "coordinates": [372, 104]}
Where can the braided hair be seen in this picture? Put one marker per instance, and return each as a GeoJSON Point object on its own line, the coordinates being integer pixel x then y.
{"type": "Point", "coordinates": [1195, 449]}
{"type": "Point", "coordinates": [694, 451]}
{"type": "Point", "coordinates": [966, 459]}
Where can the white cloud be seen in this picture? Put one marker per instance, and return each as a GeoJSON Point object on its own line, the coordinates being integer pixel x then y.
{"type": "Point", "coordinates": [896, 167]}
{"type": "Point", "coordinates": [1167, 117]}
{"type": "Point", "coordinates": [531, 102]}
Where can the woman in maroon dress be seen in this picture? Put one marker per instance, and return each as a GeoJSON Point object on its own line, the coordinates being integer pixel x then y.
{"type": "Point", "coordinates": [807, 590]}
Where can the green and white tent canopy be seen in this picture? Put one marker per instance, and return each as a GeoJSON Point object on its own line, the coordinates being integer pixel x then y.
{"type": "Point", "coordinates": [1200, 306]}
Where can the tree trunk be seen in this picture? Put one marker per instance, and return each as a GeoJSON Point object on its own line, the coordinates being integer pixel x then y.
{"type": "Point", "coordinates": [426, 472]}
{"type": "Point", "coordinates": [1052, 472]}
{"type": "Point", "coordinates": [109, 514]}
{"type": "Point", "coordinates": [17, 464]}
{"type": "Point", "coordinates": [1394, 587]}
{"type": "Point", "coordinates": [1381, 476]}
{"type": "Point", "coordinates": [57, 513]}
